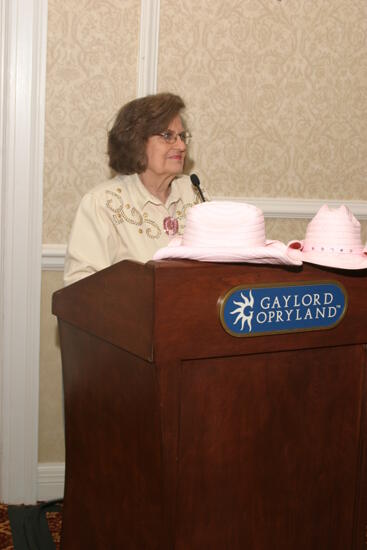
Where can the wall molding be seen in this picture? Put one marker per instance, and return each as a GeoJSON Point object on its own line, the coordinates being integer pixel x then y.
{"type": "Point", "coordinates": [23, 77]}
{"type": "Point", "coordinates": [53, 255]}
{"type": "Point", "coordinates": [148, 47]}
{"type": "Point", "coordinates": [299, 208]}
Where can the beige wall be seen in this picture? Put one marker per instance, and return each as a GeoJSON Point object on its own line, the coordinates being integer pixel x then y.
{"type": "Point", "coordinates": [51, 428]}
{"type": "Point", "coordinates": [276, 101]}
{"type": "Point", "coordinates": [276, 93]}
{"type": "Point", "coordinates": [92, 53]}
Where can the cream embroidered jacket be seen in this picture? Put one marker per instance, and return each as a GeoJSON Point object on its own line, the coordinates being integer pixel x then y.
{"type": "Point", "coordinates": [120, 220]}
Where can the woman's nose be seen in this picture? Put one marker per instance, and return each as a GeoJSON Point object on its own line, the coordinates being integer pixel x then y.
{"type": "Point", "coordinates": [180, 143]}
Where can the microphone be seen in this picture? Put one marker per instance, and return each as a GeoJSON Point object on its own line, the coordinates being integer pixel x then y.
{"type": "Point", "coordinates": [196, 183]}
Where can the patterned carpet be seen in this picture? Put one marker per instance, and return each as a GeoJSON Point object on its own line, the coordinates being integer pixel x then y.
{"type": "Point", "coordinates": [54, 520]}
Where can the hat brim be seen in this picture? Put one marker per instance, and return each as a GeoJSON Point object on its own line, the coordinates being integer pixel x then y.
{"type": "Point", "coordinates": [274, 252]}
{"type": "Point", "coordinates": [338, 261]}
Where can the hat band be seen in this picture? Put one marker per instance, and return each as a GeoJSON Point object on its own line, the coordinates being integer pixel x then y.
{"type": "Point", "coordinates": [343, 249]}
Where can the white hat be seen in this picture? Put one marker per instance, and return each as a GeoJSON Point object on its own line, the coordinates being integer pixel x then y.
{"type": "Point", "coordinates": [333, 239]}
{"type": "Point", "coordinates": [224, 231]}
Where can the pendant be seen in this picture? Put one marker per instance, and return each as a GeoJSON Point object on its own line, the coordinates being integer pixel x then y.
{"type": "Point", "coordinates": [170, 225]}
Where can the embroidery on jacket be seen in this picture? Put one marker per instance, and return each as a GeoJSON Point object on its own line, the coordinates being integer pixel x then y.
{"type": "Point", "coordinates": [124, 213]}
{"type": "Point", "coordinates": [181, 214]}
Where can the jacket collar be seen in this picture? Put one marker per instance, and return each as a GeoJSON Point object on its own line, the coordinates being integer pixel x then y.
{"type": "Point", "coordinates": [143, 197]}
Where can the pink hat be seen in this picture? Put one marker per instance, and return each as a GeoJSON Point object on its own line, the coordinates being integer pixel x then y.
{"type": "Point", "coordinates": [333, 239]}
{"type": "Point", "coordinates": [223, 231]}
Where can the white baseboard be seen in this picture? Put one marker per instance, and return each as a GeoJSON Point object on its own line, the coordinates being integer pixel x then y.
{"type": "Point", "coordinates": [50, 480]}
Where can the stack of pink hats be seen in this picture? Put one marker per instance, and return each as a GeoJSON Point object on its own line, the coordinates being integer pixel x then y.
{"type": "Point", "coordinates": [224, 231]}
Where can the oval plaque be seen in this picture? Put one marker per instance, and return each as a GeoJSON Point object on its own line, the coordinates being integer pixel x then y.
{"type": "Point", "coordinates": [258, 310]}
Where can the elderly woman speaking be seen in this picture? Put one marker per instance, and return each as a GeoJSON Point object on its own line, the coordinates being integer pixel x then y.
{"type": "Point", "coordinates": [144, 205]}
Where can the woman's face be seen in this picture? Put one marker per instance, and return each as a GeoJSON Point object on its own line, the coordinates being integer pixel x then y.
{"type": "Point", "coordinates": [166, 159]}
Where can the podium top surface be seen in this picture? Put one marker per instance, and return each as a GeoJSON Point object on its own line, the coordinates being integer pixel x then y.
{"type": "Point", "coordinates": [166, 309]}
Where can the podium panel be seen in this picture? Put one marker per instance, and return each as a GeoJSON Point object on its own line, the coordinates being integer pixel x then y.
{"type": "Point", "coordinates": [182, 436]}
{"type": "Point", "coordinates": [279, 437]}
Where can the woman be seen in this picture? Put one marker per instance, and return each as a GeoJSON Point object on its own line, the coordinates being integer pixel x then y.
{"type": "Point", "coordinates": [139, 210]}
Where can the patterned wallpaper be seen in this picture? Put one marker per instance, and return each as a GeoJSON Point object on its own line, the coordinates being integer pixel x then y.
{"type": "Point", "coordinates": [92, 54]}
{"type": "Point", "coordinates": [277, 102]}
{"type": "Point", "coordinates": [276, 93]}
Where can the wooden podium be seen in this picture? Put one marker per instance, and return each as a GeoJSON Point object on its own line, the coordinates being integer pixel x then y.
{"type": "Point", "coordinates": [180, 436]}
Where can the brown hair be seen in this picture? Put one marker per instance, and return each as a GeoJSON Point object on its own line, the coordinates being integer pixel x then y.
{"type": "Point", "coordinates": [134, 124]}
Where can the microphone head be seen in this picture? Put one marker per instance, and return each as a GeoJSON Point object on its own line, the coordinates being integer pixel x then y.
{"type": "Point", "coordinates": [196, 183]}
{"type": "Point", "coordinates": [195, 180]}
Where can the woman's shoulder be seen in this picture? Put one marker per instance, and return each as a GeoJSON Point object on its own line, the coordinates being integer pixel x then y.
{"type": "Point", "coordinates": [109, 198]}
{"type": "Point", "coordinates": [111, 185]}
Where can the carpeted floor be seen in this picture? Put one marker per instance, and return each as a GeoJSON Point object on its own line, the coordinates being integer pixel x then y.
{"type": "Point", "coordinates": [54, 521]}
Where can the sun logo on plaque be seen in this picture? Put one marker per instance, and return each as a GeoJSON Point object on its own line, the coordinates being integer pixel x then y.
{"type": "Point", "coordinates": [243, 316]}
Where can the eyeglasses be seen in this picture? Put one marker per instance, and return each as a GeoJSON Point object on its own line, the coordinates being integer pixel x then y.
{"type": "Point", "coordinates": [170, 136]}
